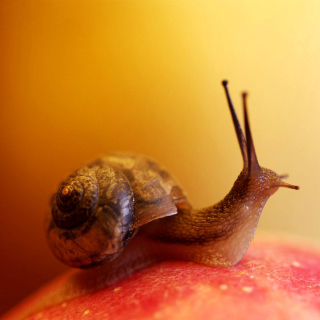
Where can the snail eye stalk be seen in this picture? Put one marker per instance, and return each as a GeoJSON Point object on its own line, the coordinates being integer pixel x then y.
{"type": "Point", "coordinates": [253, 164]}
{"type": "Point", "coordinates": [240, 136]}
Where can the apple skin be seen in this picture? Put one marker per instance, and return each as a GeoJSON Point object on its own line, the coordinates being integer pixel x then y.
{"type": "Point", "coordinates": [276, 279]}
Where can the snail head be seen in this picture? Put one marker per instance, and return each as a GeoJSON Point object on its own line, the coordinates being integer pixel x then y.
{"type": "Point", "coordinates": [260, 179]}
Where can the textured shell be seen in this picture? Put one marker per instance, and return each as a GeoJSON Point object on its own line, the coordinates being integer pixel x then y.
{"type": "Point", "coordinates": [132, 190]}
{"type": "Point", "coordinates": [156, 192]}
{"type": "Point", "coordinates": [105, 231]}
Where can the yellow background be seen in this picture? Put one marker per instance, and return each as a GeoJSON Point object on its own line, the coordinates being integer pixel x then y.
{"type": "Point", "coordinates": [82, 78]}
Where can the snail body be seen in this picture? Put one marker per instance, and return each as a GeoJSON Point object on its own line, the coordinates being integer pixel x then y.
{"type": "Point", "coordinates": [99, 208]}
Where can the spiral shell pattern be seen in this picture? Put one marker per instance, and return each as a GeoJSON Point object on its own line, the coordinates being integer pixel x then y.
{"type": "Point", "coordinates": [91, 217]}
{"type": "Point", "coordinates": [75, 201]}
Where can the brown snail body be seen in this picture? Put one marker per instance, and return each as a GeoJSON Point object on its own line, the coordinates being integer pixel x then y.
{"type": "Point", "coordinates": [101, 206]}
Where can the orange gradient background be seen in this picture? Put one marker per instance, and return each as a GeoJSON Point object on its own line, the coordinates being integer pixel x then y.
{"type": "Point", "coordinates": [83, 78]}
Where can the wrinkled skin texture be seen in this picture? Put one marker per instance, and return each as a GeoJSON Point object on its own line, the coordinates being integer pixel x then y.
{"type": "Point", "coordinates": [276, 279]}
{"type": "Point", "coordinates": [218, 235]}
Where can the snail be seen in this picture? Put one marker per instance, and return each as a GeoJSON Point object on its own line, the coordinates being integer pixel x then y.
{"type": "Point", "coordinates": [130, 199]}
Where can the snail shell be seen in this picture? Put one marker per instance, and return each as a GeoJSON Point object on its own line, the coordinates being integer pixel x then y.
{"type": "Point", "coordinates": [98, 208]}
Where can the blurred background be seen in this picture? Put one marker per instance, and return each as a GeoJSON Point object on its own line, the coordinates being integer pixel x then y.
{"type": "Point", "coordinates": [80, 79]}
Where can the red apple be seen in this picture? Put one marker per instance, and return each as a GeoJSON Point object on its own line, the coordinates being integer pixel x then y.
{"type": "Point", "coordinates": [276, 279]}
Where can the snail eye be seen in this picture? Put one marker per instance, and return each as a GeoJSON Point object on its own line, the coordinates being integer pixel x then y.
{"type": "Point", "coordinates": [69, 195]}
